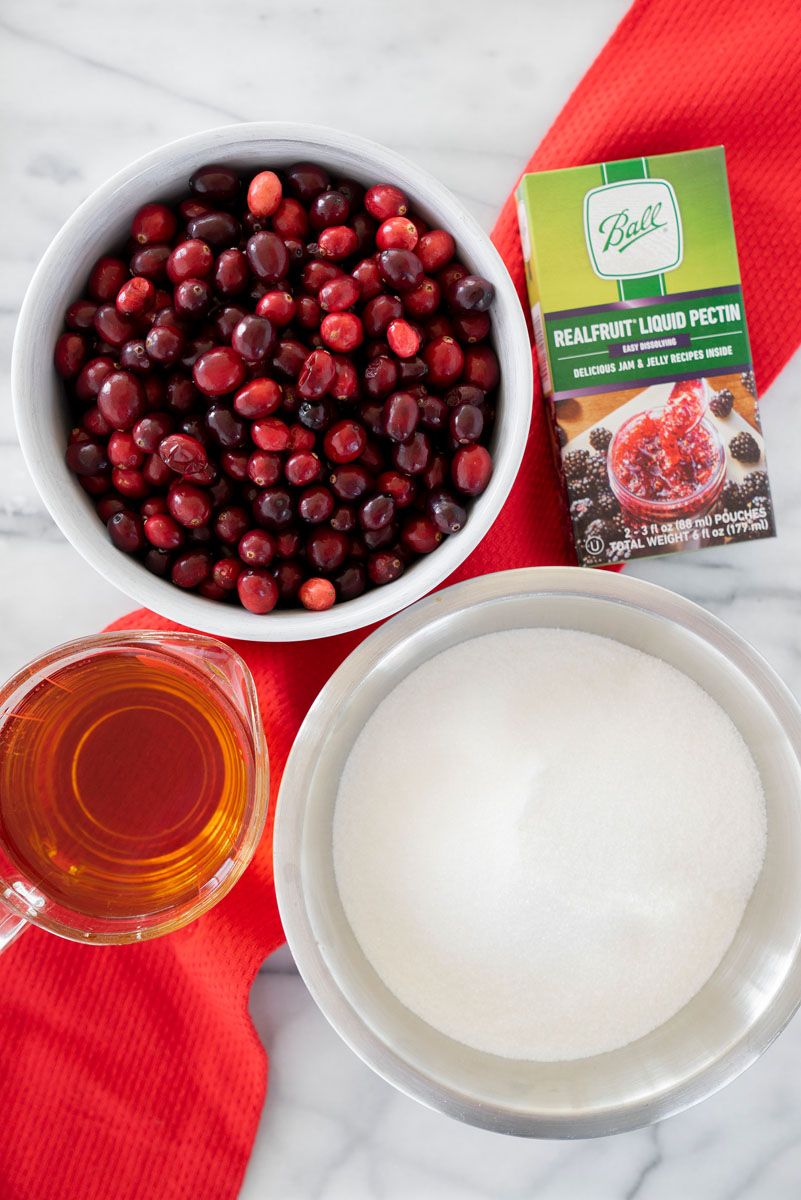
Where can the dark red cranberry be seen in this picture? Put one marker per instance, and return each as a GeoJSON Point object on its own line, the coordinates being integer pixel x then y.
{"type": "Point", "coordinates": [350, 581]}
{"type": "Point", "coordinates": [191, 568]}
{"type": "Point", "coordinates": [316, 274]}
{"type": "Point", "coordinates": [350, 481]}
{"type": "Point", "coordinates": [481, 367]}
{"type": "Point", "coordinates": [450, 274]}
{"type": "Point", "coordinates": [288, 578]}
{"type": "Point", "coordinates": [107, 277]}
{"type": "Point", "coordinates": [434, 412]}
{"type": "Point", "coordinates": [420, 534]}
{"type": "Point", "coordinates": [215, 183]}
{"type": "Point", "coordinates": [225, 573]}
{"type": "Point", "coordinates": [121, 400]}
{"type": "Point", "coordinates": [400, 416]}
{"type": "Point", "coordinates": [288, 543]}
{"type": "Point", "coordinates": [219, 371]}
{"type": "Point", "coordinates": [153, 506]}
{"type": "Point", "coordinates": [108, 506]}
{"type": "Point", "coordinates": [151, 261]}
{"type": "Point", "coordinates": [193, 259]}
{"type": "Point", "coordinates": [383, 567]}
{"type": "Point", "coordinates": [379, 312]}
{"type": "Point", "coordinates": [344, 441]}
{"type": "Point", "coordinates": [91, 377]}
{"type": "Point", "coordinates": [126, 531]}
{"type": "Point", "coordinates": [411, 458]}
{"type": "Point", "coordinates": [256, 548]}
{"type": "Point", "coordinates": [219, 230]}
{"type": "Point", "coordinates": [231, 273]}
{"type": "Point", "coordinates": [316, 415]}
{"type": "Point", "coordinates": [422, 301]}
{"type": "Point", "coordinates": [268, 256]}
{"type": "Point", "coordinates": [192, 298]}
{"type": "Point", "coordinates": [264, 468]}
{"type": "Point", "coordinates": [463, 393]}
{"type": "Point", "coordinates": [327, 549]}
{"type": "Point", "coordinates": [471, 327]}
{"type": "Point", "coordinates": [400, 487]}
{"type": "Point", "coordinates": [401, 269]}
{"type": "Point", "coordinates": [164, 344]}
{"type": "Point", "coordinates": [470, 294]}
{"type": "Point", "coordinates": [112, 326]}
{"type": "Point", "coordinates": [328, 208]}
{"type": "Point", "coordinates": [71, 354]}
{"type": "Point", "coordinates": [156, 472]}
{"type": "Point", "coordinates": [343, 518]}
{"type": "Point", "coordinates": [305, 181]}
{"type": "Point", "coordinates": [87, 458]}
{"type": "Point", "coordinates": [466, 423]}
{"type": "Point", "coordinates": [308, 313]}
{"type": "Point", "coordinates": [380, 377]}
{"type": "Point", "coordinates": [226, 427]}
{"type": "Point", "coordinates": [376, 512]}
{"type": "Point", "coordinates": [96, 485]}
{"type": "Point", "coordinates": [445, 360]}
{"type": "Point", "coordinates": [446, 512]}
{"type": "Point", "coordinates": [373, 457]}
{"type": "Point", "coordinates": [289, 358]}
{"type": "Point", "coordinates": [437, 472]}
{"type": "Point", "coordinates": [274, 509]}
{"type": "Point", "coordinates": [254, 338]}
{"type": "Point", "coordinates": [95, 423]}
{"type": "Point", "coordinates": [316, 504]}
{"type": "Point", "coordinates": [183, 454]}
{"type": "Point", "coordinates": [230, 523]}
{"type": "Point", "coordinates": [235, 464]}
{"type": "Point", "coordinates": [159, 562]}
{"type": "Point", "coordinates": [134, 357]}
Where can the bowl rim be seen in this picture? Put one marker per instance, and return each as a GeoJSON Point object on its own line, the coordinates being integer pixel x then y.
{"type": "Point", "coordinates": [50, 474]}
{"type": "Point", "coordinates": [356, 1029]}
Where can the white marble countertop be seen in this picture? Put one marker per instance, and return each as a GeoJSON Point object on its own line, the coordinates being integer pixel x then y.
{"type": "Point", "coordinates": [467, 89]}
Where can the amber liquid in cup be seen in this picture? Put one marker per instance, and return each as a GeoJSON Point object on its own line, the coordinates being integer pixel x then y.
{"type": "Point", "coordinates": [124, 784]}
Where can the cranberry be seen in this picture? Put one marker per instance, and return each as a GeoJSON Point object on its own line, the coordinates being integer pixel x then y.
{"type": "Point", "coordinates": [329, 208]}
{"type": "Point", "coordinates": [400, 416]}
{"type": "Point", "coordinates": [264, 194]}
{"type": "Point", "coordinates": [215, 183]}
{"type": "Point", "coordinates": [308, 312]}
{"type": "Point", "coordinates": [373, 457]}
{"type": "Point", "coordinates": [153, 506]}
{"type": "Point", "coordinates": [256, 548]}
{"type": "Point", "coordinates": [122, 451]}
{"type": "Point", "coordinates": [342, 331]}
{"type": "Point", "coordinates": [270, 434]}
{"type": "Point", "coordinates": [258, 591]}
{"type": "Point", "coordinates": [80, 316]}
{"type": "Point", "coordinates": [112, 326]}
{"type": "Point", "coordinates": [449, 275]}
{"type": "Point", "coordinates": [445, 511]}
{"type": "Point", "coordinates": [290, 220]}
{"type": "Point", "coordinates": [289, 358]}
{"type": "Point", "coordinates": [192, 259]}
{"type": "Point", "coordinates": [151, 262]}
{"type": "Point", "coordinates": [401, 269]}
{"type": "Point", "coordinates": [317, 594]}
{"type": "Point", "coordinates": [346, 380]}
{"type": "Point", "coordinates": [183, 454]}
{"type": "Point", "coordinates": [95, 423]}
{"type": "Point", "coordinates": [302, 468]}
{"type": "Point", "coordinates": [344, 441]}
{"type": "Point", "coordinates": [153, 223]}
{"type": "Point", "coordinates": [164, 344]}
{"type": "Point", "coordinates": [191, 568]}
{"type": "Point", "coordinates": [471, 327]}
{"type": "Point", "coordinates": [316, 274]}
{"type": "Point", "coordinates": [231, 273]}
{"type": "Point", "coordinates": [379, 312]}
{"type": "Point", "coordinates": [435, 249]}
{"type": "Point", "coordinates": [403, 339]}
{"type": "Point", "coordinates": [300, 439]}
{"type": "Point", "coordinates": [126, 531]}
{"type": "Point", "coordinates": [343, 518]}
{"type": "Point", "coordinates": [254, 338]}
{"type": "Point", "coordinates": [107, 277]}
{"type": "Point", "coordinates": [192, 298]}
{"type": "Point", "coordinates": [481, 367]}
{"type": "Point", "coordinates": [411, 457]}
{"type": "Point", "coordinates": [384, 201]}
{"type": "Point", "coordinates": [420, 534]}
{"type": "Point", "coordinates": [384, 567]}
{"type": "Point", "coordinates": [268, 256]}
{"type": "Point", "coordinates": [471, 469]}
{"type": "Point", "coordinates": [380, 376]}
{"type": "Point", "coordinates": [327, 549]}
{"type": "Point", "coordinates": [396, 233]}
{"type": "Point", "coordinates": [70, 356]}
{"type": "Point", "coordinates": [350, 581]}
{"type": "Point", "coordinates": [226, 427]}
{"type": "Point", "coordinates": [219, 371]}
{"type": "Point", "coordinates": [317, 375]}
{"type": "Point", "coordinates": [376, 512]}
{"type": "Point", "coordinates": [316, 415]}
{"type": "Point", "coordinates": [350, 481]}
{"type": "Point", "coordinates": [230, 523]}
{"type": "Point", "coordinates": [466, 423]}
{"type": "Point", "coordinates": [434, 412]}
{"type": "Point", "coordinates": [273, 508]}
{"type": "Point", "coordinates": [188, 504]}
{"type": "Point", "coordinates": [95, 485]}
{"type": "Point", "coordinates": [464, 393]}
{"type": "Point", "coordinates": [439, 326]}
{"type": "Point", "coordinates": [400, 487]}
{"type": "Point", "coordinates": [337, 242]}
{"type": "Point", "coordinates": [422, 301]}
{"type": "Point", "coordinates": [306, 180]}
{"type": "Point", "coordinates": [225, 573]}
{"type": "Point", "coordinates": [288, 543]}
{"type": "Point", "coordinates": [279, 308]}
{"type": "Point", "coordinates": [288, 578]}
{"type": "Point", "coordinates": [339, 293]}
{"type": "Point", "coordinates": [121, 399]}
{"type": "Point", "coordinates": [163, 532]}
{"type": "Point", "coordinates": [87, 458]}
{"type": "Point", "coordinates": [220, 230]}
{"type": "Point", "coordinates": [264, 468]}
{"type": "Point", "coordinates": [470, 294]}
{"type": "Point", "coordinates": [316, 504]}
{"type": "Point", "coordinates": [108, 506]}
{"type": "Point", "coordinates": [445, 359]}
{"type": "Point", "coordinates": [368, 277]}
{"type": "Point", "coordinates": [134, 357]}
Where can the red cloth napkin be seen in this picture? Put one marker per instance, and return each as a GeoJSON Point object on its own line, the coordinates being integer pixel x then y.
{"type": "Point", "coordinates": [130, 1072]}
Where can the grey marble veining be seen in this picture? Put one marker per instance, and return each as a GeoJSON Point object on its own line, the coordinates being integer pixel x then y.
{"type": "Point", "coordinates": [467, 88]}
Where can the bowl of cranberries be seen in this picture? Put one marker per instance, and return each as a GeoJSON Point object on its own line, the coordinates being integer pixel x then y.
{"type": "Point", "coordinates": [273, 382]}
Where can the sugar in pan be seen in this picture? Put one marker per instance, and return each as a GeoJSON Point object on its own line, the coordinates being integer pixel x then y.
{"type": "Point", "coordinates": [545, 840]}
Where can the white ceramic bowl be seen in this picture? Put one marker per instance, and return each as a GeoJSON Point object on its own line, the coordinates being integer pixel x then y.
{"type": "Point", "coordinates": [102, 222]}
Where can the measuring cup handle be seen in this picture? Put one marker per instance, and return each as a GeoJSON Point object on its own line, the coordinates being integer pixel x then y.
{"type": "Point", "coordinates": [11, 926]}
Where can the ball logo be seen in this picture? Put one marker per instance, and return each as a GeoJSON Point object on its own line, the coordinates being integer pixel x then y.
{"type": "Point", "coordinates": [633, 229]}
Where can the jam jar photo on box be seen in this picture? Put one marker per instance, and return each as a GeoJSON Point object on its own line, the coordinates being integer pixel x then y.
{"type": "Point", "coordinates": [669, 467]}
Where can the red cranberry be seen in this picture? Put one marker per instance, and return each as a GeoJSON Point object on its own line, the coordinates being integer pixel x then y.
{"type": "Point", "coordinates": [445, 360]}
{"type": "Point", "coordinates": [192, 298]}
{"type": "Point", "coordinates": [123, 451]}
{"type": "Point", "coordinates": [317, 375]}
{"type": "Point", "coordinates": [264, 194]}
{"type": "Point", "coordinates": [192, 259]}
{"type": "Point", "coordinates": [230, 523]}
{"type": "Point", "coordinates": [288, 543]}
{"type": "Point", "coordinates": [384, 201]}
{"type": "Point", "coordinates": [215, 183]}
{"type": "Point", "coordinates": [481, 367]}
{"type": "Point", "coordinates": [126, 531]}
{"type": "Point", "coordinates": [112, 326]}
{"type": "Point", "coordinates": [471, 469]}
{"type": "Point", "coordinates": [300, 439]}
{"type": "Point", "coordinates": [71, 354]}
{"type": "Point", "coordinates": [400, 487]}
{"type": "Point", "coordinates": [153, 223]}
{"type": "Point", "coordinates": [135, 296]}
{"type": "Point", "coordinates": [107, 277]}
{"type": "Point", "coordinates": [403, 339]}
{"type": "Point", "coordinates": [164, 344]}
{"type": "Point", "coordinates": [380, 377]}
{"type": "Point", "coordinates": [308, 314]}
{"type": "Point", "coordinates": [256, 548]}
{"type": "Point", "coordinates": [289, 358]}
{"type": "Point", "coordinates": [344, 441]}
{"type": "Point", "coordinates": [411, 458]}
{"type": "Point", "coordinates": [182, 396]}
{"type": "Point", "coordinates": [121, 400]}
{"type": "Point", "coordinates": [268, 256]}
{"type": "Point", "coordinates": [396, 233]}
{"type": "Point", "coordinates": [317, 594]}
{"type": "Point", "coordinates": [257, 590]}
{"type": "Point", "coordinates": [231, 273]}
{"type": "Point", "coordinates": [316, 274]}
{"type": "Point", "coordinates": [450, 274]}
{"type": "Point", "coordinates": [225, 573]}
{"type": "Point", "coordinates": [383, 567]}
{"type": "Point", "coordinates": [379, 312]}
{"type": "Point", "coordinates": [270, 434]}
{"type": "Point", "coordinates": [95, 423]}
{"type": "Point", "coordinates": [471, 327]}
{"type": "Point", "coordinates": [346, 380]}
{"type": "Point", "coordinates": [350, 482]}
{"type": "Point", "coordinates": [342, 331]}
{"type": "Point", "coordinates": [156, 472]}
{"type": "Point", "coordinates": [368, 277]}
{"type": "Point", "coordinates": [343, 518]}
{"type": "Point", "coordinates": [337, 242]}
{"type": "Point", "coordinates": [219, 371]}
{"type": "Point", "coordinates": [264, 468]}
{"type": "Point", "coordinates": [315, 504]}
{"type": "Point", "coordinates": [339, 293]}
{"type": "Point", "coordinates": [302, 468]}
{"type": "Point", "coordinates": [182, 454]}
{"type": "Point", "coordinates": [326, 549]}
{"type": "Point", "coordinates": [422, 301]}
{"type": "Point", "coordinates": [163, 532]}
{"type": "Point", "coordinates": [278, 307]}
{"type": "Point", "coordinates": [290, 220]}
{"type": "Point", "coordinates": [91, 377]}
{"type": "Point", "coordinates": [466, 423]}
{"type": "Point", "coordinates": [376, 512]}
{"type": "Point", "coordinates": [188, 504]}
{"type": "Point", "coordinates": [420, 534]}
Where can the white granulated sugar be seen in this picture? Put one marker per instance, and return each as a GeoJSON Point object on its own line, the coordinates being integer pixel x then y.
{"type": "Point", "coordinates": [545, 840]}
